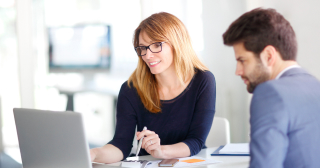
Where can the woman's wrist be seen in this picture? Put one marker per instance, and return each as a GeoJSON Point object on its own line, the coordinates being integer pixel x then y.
{"type": "Point", "coordinates": [164, 151]}
{"type": "Point", "coordinates": [174, 151]}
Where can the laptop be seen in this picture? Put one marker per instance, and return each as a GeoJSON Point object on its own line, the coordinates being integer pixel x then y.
{"type": "Point", "coordinates": [51, 139]}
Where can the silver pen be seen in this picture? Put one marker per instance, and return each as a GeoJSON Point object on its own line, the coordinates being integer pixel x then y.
{"type": "Point", "coordinates": [140, 142]}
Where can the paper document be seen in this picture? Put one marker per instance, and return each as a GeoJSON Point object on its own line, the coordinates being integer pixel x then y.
{"type": "Point", "coordinates": [235, 148]}
{"type": "Point", "coordinates": [187, 161]}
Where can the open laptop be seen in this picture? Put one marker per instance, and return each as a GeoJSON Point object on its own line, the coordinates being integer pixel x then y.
{"type": "Point", "coordinates": [51, 139]}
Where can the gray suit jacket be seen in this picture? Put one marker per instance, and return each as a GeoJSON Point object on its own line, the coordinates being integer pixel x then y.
{"type": "Point", "coordinates": [285, 122]}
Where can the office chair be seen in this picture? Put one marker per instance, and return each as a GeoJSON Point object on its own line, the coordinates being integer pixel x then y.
{"type": "Point", "coordinates": [219, 133]}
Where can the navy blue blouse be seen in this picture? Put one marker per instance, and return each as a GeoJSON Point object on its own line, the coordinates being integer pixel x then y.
{"type": "Point", "coordinates": [186, 118]}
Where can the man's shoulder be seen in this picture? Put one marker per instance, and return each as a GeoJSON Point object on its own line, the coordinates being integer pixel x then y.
{"type": "Point", "coordinates": [289, 79]}
{"type": "Point", "coordinates": [295, 86]}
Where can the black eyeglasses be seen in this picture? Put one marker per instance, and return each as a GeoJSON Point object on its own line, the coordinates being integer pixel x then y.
{"type": "Point", "coordinates": [154, 48]}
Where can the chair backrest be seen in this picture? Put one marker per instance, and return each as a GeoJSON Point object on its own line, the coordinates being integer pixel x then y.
{"type": "Point", "coordinates": [219, 133]}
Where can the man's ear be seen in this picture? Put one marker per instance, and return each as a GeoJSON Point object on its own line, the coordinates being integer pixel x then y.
{"type": "Point", "coordinates": [268, 55]}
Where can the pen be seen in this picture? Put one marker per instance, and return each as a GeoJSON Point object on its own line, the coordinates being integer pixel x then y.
{"type": "Point", "coordinates": [140, 142]}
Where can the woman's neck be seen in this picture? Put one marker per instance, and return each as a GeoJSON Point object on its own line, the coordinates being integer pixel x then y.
{"type": "Point", "coordinates": [168, 81]}
{"type": "Point", "coordinates": [169, 85]}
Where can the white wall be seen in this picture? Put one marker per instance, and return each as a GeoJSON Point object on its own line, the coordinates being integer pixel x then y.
{"type": "Point", "coordinates": [232, 97]}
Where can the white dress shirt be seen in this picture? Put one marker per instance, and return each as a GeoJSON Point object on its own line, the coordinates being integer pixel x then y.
{"type": "Point", "coordinates": [286, 69]}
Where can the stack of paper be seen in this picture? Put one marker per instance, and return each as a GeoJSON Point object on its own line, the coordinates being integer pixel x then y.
{"type": "Point", "coordinates": [235, 148]}
{"type": "Point", "coordinates": [187, 162]}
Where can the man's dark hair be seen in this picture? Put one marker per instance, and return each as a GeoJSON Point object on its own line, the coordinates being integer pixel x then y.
{"type": "Point", "coordinates": [261, 27]}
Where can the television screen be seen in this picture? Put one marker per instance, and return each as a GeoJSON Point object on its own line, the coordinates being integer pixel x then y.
{"type": "Point", "coordinates": [79, 47]}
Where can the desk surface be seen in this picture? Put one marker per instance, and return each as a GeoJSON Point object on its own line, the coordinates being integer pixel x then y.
{"type": "Point", "coordinates": [227, 161]}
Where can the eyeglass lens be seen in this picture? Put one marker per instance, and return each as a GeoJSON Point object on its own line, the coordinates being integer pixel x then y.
{"type": "Point", "coordinates": [155, 48]}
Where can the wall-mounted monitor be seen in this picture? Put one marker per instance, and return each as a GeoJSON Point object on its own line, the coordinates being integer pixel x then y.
{"type": "Point", "coordinates": [77, 48]}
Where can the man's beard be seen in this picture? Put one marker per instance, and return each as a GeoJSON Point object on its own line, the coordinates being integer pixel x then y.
{"type": "Point", "coordinates": [258, 75]}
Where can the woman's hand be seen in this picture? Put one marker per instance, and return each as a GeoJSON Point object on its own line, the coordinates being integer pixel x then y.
{"type": "Point", "coordinates": [151, 143]}
{"type": "Point", "coordinates": [106, 154]}
{"type": "Point", "coordinates": [92, 155]}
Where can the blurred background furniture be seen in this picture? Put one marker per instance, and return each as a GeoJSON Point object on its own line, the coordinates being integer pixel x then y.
{"type": "Point", "coordinates": [5, 160]}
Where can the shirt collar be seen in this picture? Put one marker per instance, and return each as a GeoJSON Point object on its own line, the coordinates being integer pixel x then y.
{"type": "Point", "coordinates": [286, 69]}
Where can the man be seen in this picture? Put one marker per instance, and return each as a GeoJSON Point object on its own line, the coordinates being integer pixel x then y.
{"type": "Point", "coordinates": [285, 107]}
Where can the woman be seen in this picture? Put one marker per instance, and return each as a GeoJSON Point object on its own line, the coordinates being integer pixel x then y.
{"type": "Point", "coordinates": [171, 93]}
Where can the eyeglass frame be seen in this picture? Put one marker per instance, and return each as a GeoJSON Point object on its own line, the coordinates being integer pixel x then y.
{"type": "Point", "coordinates": [148, 47]}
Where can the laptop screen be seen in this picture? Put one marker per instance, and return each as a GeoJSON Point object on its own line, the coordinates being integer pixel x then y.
{"type": "Point", "coordinates": [51, 139]}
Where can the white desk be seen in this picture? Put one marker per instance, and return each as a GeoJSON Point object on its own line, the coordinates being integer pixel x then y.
{"type": "Point", "coordinates": [227, 161]}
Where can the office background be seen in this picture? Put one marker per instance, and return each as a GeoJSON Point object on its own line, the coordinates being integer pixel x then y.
{"type": "Point", "coordinates": [26, 80]}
